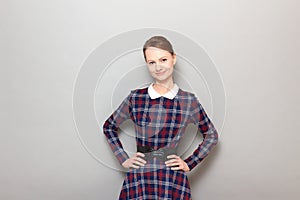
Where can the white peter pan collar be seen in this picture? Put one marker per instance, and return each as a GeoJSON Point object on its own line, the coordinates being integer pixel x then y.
{"type": "Point", "coordinates": [170, 95]}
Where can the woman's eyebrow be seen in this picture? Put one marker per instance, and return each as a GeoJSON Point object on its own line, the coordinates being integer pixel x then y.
{"type": "Point", "coordinates": [163, 57]}
{"type": "Point", "coordinates": [158, 59]}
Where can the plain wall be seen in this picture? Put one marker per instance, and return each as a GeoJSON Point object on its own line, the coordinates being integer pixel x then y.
{"type": "Point", "coordinates": [254, 44]}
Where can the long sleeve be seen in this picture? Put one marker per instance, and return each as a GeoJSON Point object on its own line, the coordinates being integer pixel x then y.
{"type": "Point", "coordinates": [207, 129]}
{"type": "Point", "coordinates": [111, 126]}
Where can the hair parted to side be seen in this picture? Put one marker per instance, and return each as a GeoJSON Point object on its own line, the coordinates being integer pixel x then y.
{"type": "Point", "coordinates": [158, 42]}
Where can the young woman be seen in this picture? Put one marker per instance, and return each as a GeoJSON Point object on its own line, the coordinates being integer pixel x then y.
{"type": "Point", "coordinates": [160, 113]}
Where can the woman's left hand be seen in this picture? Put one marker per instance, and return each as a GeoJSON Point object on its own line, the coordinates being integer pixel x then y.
{"type": "Point", "coordinates": [176, 163]}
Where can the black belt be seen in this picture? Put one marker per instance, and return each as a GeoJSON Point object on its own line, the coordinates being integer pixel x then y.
{"type": "Point", "coordinates": [160, 154]}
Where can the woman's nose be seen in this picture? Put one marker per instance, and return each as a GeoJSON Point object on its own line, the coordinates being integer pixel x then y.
{"type": "Point", "coordinates": [158, 67]}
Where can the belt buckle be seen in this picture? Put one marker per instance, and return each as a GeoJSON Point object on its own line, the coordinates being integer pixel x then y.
{"type": "Point", "coordinates": [158, 154]}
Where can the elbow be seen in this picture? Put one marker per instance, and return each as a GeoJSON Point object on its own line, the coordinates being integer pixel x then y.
{"type": "Point", "coordinates": [105, 127]}
{"type": "Point", "coordinates": [216, 138]}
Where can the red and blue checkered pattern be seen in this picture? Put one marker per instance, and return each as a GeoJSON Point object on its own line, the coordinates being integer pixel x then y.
{"type": "Point", "coordinates": [161, 183]}
{"type": "Point", "coordinates": [159, 122]}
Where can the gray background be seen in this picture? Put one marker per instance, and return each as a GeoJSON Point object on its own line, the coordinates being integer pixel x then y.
{"type": "Point", "coordinates": [254, 44]}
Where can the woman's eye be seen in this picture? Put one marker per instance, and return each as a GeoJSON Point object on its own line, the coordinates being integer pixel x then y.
{"type": "Point", "coordinates": [164, 60]}
{"type": "Point", "coordinates": [151, 63]}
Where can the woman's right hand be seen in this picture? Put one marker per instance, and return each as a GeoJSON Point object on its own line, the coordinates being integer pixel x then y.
{"type": "Point", "coordinates": [135, 161]}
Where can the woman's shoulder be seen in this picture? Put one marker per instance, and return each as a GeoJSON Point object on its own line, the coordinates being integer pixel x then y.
{"type": "Point", "coordinates": [185, 94]}
{"type": "Point", "coordinates": [139, 91]}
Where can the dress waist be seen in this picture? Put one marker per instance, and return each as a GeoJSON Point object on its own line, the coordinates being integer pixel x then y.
{"type": "Point", "coordinates": [159, 154]}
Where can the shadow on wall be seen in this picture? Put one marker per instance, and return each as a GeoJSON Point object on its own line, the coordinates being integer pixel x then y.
{"type": "Point", "coordinates": [200, 171]}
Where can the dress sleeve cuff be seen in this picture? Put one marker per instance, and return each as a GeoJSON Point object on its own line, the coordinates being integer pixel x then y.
{"type": "Point", "coordinates": [192, 162]}
{"type": "Point", "coordinates": [122, 156]}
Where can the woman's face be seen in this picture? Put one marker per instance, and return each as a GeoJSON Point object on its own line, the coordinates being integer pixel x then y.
{"type": "Point", "coordinates": [160, 64]}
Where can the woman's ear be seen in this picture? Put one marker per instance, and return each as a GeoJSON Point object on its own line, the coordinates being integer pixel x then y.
{"type": "Point", "coordinates": [174, 59]}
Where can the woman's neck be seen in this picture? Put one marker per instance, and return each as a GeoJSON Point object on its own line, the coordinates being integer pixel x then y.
{"type": "Point", "coordinates": [163, 87]}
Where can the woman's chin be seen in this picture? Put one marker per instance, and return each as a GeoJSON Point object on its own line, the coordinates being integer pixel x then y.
{"type": "Point", "coordinates": [160, 79]}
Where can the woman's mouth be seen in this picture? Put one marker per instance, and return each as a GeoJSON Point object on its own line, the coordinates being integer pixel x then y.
{"type": "Point", "coordinates": [159, 73]}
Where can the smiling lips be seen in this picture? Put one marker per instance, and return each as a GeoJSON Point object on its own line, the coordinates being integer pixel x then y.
{"type": "Point", "coordinates": [159, 73]}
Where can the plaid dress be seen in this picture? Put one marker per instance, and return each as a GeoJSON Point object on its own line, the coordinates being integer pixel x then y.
{"type": "Point", "coordinates": [160, 122]}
